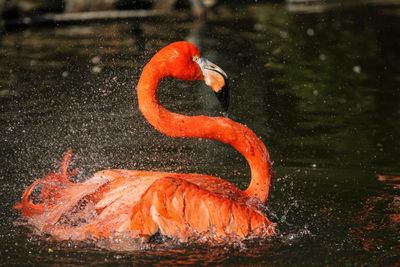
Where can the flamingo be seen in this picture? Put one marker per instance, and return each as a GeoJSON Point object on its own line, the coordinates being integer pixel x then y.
{"type": "Point", "coordinates": [141, 204]}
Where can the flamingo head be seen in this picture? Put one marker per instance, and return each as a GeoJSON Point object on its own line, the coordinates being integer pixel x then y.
{"type": "Point", "coordinates": [182, 60]}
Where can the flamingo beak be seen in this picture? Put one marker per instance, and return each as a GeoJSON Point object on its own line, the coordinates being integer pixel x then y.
{"type": "Point", "coordinates": [223, 96]}
{"type": "Point", "coordinates": [217, 80]}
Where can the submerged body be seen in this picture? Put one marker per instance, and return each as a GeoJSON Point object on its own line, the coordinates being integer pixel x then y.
{"type": "Point", "coordinates": [144, 203]}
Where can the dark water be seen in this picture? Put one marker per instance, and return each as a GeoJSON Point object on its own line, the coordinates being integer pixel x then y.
{"type": "Point", "coordinates": [322, 91]}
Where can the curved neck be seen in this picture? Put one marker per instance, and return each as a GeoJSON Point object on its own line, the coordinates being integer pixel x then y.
{"type": "Point", "coordinates": [217, 128]}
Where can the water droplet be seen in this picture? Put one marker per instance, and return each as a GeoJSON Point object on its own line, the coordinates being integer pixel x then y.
{"type": "Point", "coordinates": [357, 69]}
{"type": "Point", "coordinates": [96, 69]}
{"type": "Point", "coordinates": [95, 60]}
{"type": "Point", "coordinates": [310, 32]}
{"type": "Point", "coordinates": [258, 27]}
{"type": "Point", "coordinates": [284, 34]}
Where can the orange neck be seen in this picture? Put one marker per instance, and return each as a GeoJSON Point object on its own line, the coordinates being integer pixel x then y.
{"type": "Point", "coordinates": [216, 128]}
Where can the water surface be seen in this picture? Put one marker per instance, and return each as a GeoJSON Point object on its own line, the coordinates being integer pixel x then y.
{"type": "Point", "coordinates": [321, 90]}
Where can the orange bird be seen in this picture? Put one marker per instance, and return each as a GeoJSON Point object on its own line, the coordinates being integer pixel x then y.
{"type": "Point", "coordinates": [134, 203]}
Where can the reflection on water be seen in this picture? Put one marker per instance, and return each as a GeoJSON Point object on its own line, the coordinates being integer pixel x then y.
{"type": "Point", "coordinates": [322, 90]}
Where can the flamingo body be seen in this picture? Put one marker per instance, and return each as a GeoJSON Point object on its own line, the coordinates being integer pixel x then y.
{"type": "Point", "coordinates": [143, 203]}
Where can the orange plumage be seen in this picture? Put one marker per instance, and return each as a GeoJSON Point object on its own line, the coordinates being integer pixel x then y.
{"type": "Point", "coordinates": [143, 203]}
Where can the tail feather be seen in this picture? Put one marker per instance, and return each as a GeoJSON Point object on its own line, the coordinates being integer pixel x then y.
{"type": "Point", "coordinates": [27, 207]}
{"type": "Point", "coordinates": [53, 186]}
{"type": "Point", "coordinates": [64, 174]}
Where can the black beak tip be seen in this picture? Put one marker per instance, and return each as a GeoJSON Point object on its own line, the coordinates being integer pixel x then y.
{"type": "Point", "coordinates": [223, 97]}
